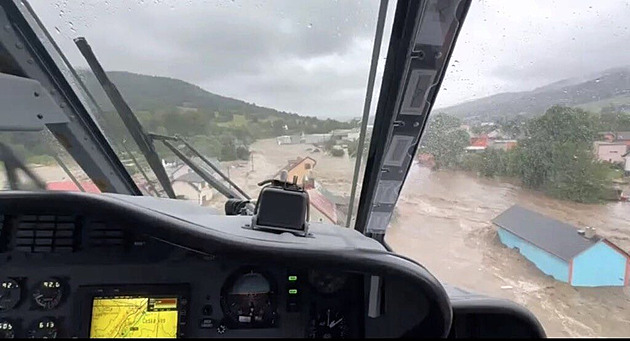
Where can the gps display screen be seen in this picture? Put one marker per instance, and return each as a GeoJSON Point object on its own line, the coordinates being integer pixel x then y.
{"type": "Point", "coordinates": [134, 317]}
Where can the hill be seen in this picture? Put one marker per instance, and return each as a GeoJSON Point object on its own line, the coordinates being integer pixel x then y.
{"type": "Point", "coordinates": [592, 92]}
{"type": "Point", "coordinates": [151, 93]}
{"type": "Point", "coordinates": [216, 125]}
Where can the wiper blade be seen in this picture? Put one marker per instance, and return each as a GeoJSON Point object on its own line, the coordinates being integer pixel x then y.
{"type": "Point", "coordinates": [129, 119]}
{"type": "Point", "coordinates": [214, 182]}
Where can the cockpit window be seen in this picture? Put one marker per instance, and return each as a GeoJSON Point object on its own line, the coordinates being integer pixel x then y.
{"type": "Point", "coordinates": [522, 172]}
{"type": "Point", "coordinates": [259, 90]}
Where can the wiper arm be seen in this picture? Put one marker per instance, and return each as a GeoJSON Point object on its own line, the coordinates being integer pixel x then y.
{"type": "Point", "coordinates": [11, 164]}
{"type": "Point", "coordinates": [129, 119]}
{"type": "Point", "coordinates": [214, 182]}
{"type": "Point", "coordinates": [214, 168]}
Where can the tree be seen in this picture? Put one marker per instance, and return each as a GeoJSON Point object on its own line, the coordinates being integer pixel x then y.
{"type": "Point", "coordinates": [337, 152]}
{"type": "Point", "coordinates": [445, 141]}
{"type": "Point", "coordinates": [556, 155]}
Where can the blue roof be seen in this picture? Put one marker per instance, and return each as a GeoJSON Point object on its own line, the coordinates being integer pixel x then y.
{"type": "Point", "coordinates": [558, 238]}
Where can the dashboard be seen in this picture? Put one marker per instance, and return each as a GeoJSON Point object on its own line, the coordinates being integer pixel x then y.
{"type": "Point", "coordinates": [115, 266]}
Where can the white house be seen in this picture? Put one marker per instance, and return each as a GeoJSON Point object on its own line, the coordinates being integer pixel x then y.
{"type": "Point", "coordinates": [626, 168]}
{"type": "Point", "coordinates": [610, 151]}
{"type": "Point", "coordinates": [193, 188]}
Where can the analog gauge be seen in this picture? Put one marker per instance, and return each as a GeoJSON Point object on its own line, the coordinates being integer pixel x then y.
{"type": "Point", "coordinates": [48, 294]}
{"type": "Point", "coordinates": [248, 301]}
{"type": "Point", "coordinates": [7, 331]}
{"type": "Point", "coordinates": [327, 282]}
{"type": "Point", "coordinates": [328, 324]}
{"type": "Point", "coordinates": [10, 293]}
{"type": "Point", "coordinates": [45, 328]}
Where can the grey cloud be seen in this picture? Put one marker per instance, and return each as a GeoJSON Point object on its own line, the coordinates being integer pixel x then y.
{"type": "Point", "coordinates": [252, 50]}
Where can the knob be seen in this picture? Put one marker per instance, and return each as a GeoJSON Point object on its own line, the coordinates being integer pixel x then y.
{"type": "Point", "coordinates": [221, 329]}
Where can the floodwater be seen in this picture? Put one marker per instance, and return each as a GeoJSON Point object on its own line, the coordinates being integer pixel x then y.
{"type": "Point", "coordinates": [443, 221]}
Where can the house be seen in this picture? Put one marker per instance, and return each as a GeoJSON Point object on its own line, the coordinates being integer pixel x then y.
{"type": "Point", "coordinates": [347, 135]}
{"type": "Point", "coordinates": [610, 151]}
{"type": "Point", "coordinates": [503, 144]}
{"type": "Point", "coordinates": [479, 141]}
{"type": "Point", "coordinates": [88, 186]}
{"type": "Point", "coordinates": [322, 209]}
{"type": "Point", "coordinates": [426, 159]}
{"type": "Point", "coordinates": [626, 167]}
{"type": "Point", "coordinates": [299, 167]}
{"type": "Point", "coordinates": [623, 137]}
{"type": "Point", "coordinates": [192, 187]}
{"type": "Point", "coordinates": [607, 136]}
{"type": "Point", "coordinates": [475, 149]}
{"type": "Point", "coordinates": [288, 139]}
{"type": "Point", "coordinates": [580, 258]}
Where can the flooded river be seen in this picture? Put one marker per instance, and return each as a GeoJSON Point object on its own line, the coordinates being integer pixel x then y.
{"type": "Point", "coordinates": [443, 221]}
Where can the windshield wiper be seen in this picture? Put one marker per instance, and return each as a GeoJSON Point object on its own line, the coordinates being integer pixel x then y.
{"type": "Point", "coordinates": [129, 119]}
{"type": "Point", "coordinates": [214, 182]}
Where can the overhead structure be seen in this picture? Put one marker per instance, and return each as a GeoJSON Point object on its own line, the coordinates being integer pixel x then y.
{"type": "Point", "coordinates": [420, 47]}
{"type": "Point", "coordinates": [25, 56]}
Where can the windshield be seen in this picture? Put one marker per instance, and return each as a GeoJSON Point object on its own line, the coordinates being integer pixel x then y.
{"type": "Point", "coordinates": [519, 188]}
{"type": "Point", "coordinates": [258, 90]}
{"type": "Point", "coordinates": [534, 111]}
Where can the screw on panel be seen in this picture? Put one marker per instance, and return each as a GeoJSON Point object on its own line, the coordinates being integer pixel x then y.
{"type": "Point", "coordinates": [19, 45]}
{"type": "Point", "coordinates": [30, 61]}
{"type": "Point", "coordinates": [7, 27]}
{"type": "Point", "coordinates": [40, 116]}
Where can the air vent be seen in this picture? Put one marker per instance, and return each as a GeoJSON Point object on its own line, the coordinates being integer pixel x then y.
{"type": "Point", "coordinates": [105, 235]}
{"type": "Point", "coordinates": [45, 234]}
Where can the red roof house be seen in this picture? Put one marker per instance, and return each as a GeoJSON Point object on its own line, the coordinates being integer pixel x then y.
{"type": "Point", "coordinates": [89, 186]}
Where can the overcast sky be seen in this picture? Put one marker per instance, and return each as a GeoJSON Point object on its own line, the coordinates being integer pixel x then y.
{"type": "Point", "coordinates": [312, 57]}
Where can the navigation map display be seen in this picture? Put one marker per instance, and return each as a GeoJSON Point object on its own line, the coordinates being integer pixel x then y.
{"type": "Point", "coordinates": [134, 317]}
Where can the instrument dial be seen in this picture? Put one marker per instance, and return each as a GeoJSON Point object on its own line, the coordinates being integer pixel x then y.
{"type": "Point", "coordinates": [45, 328]}
{"type": "Point", "coordinates": [48, 294]}
{"type": "Point", "coordinates": [10, 294]}
{"type": "Point", "coordinates": [327, 282]}
{"type": "Point", "coordinates": [7, 331]}
{"type": "Point", "coordinates": [328, 324]}
{"type": "Point", "coordinates": [248, 300]}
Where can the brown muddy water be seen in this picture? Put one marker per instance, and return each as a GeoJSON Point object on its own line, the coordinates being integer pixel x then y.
{"type": "Point", "coordinates": [443, 221]}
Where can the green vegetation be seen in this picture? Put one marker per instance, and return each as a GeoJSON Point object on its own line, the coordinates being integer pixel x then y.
{"type": "Point", "coordinates": [445, 141]}
{"type": "Point", "coordinates": [336, 152]}
{"type": "Point", "coordinates": [217, 126]}
{"type": "Point", "coordinates": [554, 154]}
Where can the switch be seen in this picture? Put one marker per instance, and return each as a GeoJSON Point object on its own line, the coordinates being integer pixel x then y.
{"type": "Point", "coordinates": [207, 310]}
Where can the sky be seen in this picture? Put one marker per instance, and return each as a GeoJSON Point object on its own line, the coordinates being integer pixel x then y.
{"type": "Point", "coordinates": [313, 57]}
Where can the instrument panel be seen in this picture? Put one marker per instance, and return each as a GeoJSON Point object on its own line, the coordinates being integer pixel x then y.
{"type": "Point", "coordinates": [250, 300]}
{"type": "Point", "coordinates": [78, 265]}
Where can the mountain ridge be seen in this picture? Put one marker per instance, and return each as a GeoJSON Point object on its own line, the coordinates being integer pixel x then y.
{"type": "Point", "coordinates": [148, 93]}
{"type": "Point", "coordinates": [593, 91]}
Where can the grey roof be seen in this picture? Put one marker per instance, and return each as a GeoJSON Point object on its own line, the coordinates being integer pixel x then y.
{"type": "Point", "coordinates": [623, 135]}
{"type": "Point", "coordinates": [558, 238]}
{"type": "Point", "coordinates": [190, 177]}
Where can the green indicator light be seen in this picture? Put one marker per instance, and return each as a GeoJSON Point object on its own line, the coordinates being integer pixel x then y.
{"type": "Point", "coordinates": [292, 278]}
{"type": "Point", "coordinates": [292, 291]}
